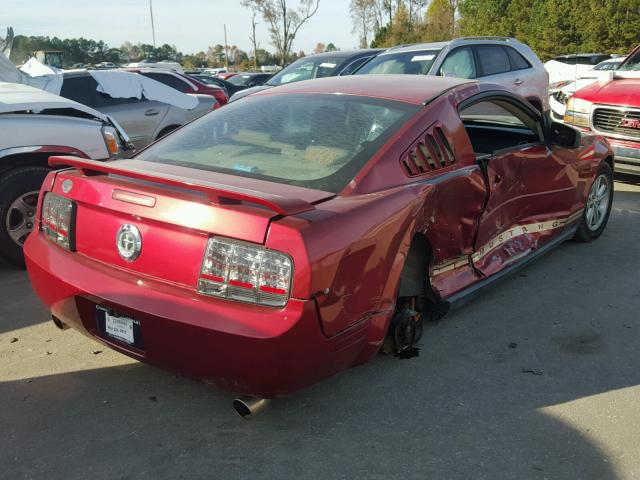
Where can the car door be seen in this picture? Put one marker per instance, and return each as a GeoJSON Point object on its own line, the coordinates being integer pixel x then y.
{"type": "Point", "coordinates": [531, 189]}
{"type": "Point", "coordinates": [139, 118]}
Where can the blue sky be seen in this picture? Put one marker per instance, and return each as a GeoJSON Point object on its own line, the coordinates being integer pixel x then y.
{"type": "Point", "coordinates": [190, 25]}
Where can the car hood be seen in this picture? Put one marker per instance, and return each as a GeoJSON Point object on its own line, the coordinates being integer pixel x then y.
{"type": "Point", "coordinates": [16, 97]}
{"type": "Point", "coordinates": [619, 92]}
{"type": "Point", "coordinates": [248, 91]}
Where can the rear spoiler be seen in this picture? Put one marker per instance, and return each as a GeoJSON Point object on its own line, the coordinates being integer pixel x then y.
{"type": "Point", "coordinates": [215, 191]}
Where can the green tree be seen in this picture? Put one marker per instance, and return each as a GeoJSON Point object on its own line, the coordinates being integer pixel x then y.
{"type": "Point", "coordinates": [440, 21]}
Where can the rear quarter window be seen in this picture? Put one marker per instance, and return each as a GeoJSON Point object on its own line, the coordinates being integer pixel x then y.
{"type": "Point", "coordinates": [493, 59]}
{"type": "Point", "coordinates": [518, 62]}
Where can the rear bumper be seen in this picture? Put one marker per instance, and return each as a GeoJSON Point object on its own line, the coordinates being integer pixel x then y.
{"type": "Point", "coordinates": [242, 348]}
{"type": "Point", "coordinates": [627, 156]}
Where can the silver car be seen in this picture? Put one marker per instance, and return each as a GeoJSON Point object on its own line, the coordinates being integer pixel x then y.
{"type": "Point", "coordinates": [144, 120]}
{"type": "Point", "coordinates": [34, 125]}
{"type": "Point", "coordinates": [501, 60]}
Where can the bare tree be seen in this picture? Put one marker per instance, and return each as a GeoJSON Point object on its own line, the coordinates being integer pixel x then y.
{"type": "Point", "coordinates": [363, 15]}
{"type": "Point", "coordinates": [253, 40]}
{"type": "Point", "coordinates": [284, 22]}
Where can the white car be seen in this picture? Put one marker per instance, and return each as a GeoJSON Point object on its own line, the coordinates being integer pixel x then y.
{"type": "Point", "coordinates": [34, 125]}
{"type": "Point", "coordinates": [164, 64]}
{"type": "Point", "coordinates": [501, 60]}
{"type": "Point", "coordinates": [560, 91]}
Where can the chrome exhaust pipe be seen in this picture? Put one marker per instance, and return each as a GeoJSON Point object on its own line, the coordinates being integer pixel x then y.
{"type": "Point", "coordinates": [248, 407]}
{"type": "Point", "coordinates": [59, 323]}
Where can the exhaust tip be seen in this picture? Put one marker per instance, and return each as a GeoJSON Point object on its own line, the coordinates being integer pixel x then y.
{"type": "Point", "coordinates": [248, 407]}
{"type": "Point", "coordinates": [59, 323]}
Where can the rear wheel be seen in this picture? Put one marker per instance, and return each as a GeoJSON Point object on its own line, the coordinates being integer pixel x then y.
{"type": "Point", "coordinates": [598, 207]}
{"type": "Point", "coordinates": [19, 191]}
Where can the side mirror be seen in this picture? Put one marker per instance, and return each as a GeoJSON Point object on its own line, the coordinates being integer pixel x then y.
{"type": "Point", "coordinates": [564, 135]}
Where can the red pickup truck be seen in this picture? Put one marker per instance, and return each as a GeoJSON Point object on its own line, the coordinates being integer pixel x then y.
{"type": "Point", "coordinates": [611, 107]}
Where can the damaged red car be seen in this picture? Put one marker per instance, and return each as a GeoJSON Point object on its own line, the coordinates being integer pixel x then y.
{"type": "Point", "coordinates": [279, 240]}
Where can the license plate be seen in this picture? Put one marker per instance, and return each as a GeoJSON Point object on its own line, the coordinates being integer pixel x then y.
{"type": "Point", "coordinates": [119, 327]}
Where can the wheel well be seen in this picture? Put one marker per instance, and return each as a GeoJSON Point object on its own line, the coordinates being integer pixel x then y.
{"type": "Point", "coordinates": [415, 273]}
{"type": "Point", "coordinates": [39, 159]}
{"type": "Point", "coordinates": [610, 161]}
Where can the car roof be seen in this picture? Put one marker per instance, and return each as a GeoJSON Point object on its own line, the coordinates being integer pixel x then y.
{"type": "Point", "coordinates": [344, 53]}
{"type": "Point", "coordinates": [456, 41]}
{"type": "Point", "coordinates": [414, 89]}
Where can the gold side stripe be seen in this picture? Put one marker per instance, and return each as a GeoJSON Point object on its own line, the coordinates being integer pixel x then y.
{"type": "Point", "coordinates": [502, 238]}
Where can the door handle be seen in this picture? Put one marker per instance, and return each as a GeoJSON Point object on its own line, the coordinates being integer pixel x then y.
{"type": "Point", "coordinates": [151, 112]}
{"type": "Point", "coordinates": [518, 82]}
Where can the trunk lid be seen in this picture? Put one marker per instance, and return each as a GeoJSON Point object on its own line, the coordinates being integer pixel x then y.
{"type": "Point", "coordinates": [175, 209]}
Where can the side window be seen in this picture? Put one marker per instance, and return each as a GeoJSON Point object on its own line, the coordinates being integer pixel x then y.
{"type": "Point", "coordinates": [493, 59]}
{"type": "Point", "coordinates": [459, 63]}
{"type": "Point", "coordinates": [355, 65]}
{"type": "Point", "coordinates": [169, 80]}
{"type": "Point", "coordinates": [518, 62]}
{"type": "Point", "coordinates": [81, 89]}
{"type": "Point", "coordinates": [498, 124]}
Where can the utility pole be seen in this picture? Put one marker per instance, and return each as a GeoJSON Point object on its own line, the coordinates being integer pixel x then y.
{"type": "Point", "coordinates": [153, 28]}
{"type": "Point", "coordinates": [226, 49]}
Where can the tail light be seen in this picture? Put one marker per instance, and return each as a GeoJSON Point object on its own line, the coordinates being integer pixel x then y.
{"type": "Point", "coordinates": [58, 220]}
{"type": "Point", "coordinates": [245, 272]}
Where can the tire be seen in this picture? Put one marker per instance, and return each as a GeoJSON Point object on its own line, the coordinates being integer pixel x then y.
{"type": "Point", "coordinates": [598, 206]}
{"type": "Point", "coordinates": [19, 189]}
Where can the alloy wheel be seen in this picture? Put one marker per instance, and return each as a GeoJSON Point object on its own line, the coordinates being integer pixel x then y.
{"type": "Point", "coordinates": [598, 202]}
{"type": "Point", "coordinates": [21, 216]}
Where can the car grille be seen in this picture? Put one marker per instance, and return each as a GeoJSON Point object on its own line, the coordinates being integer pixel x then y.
{"type": "Point", "coordinates": [609, 120]}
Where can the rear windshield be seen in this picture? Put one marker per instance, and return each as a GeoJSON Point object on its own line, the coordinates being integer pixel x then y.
{"type": "Point", "coordinates": [306, 69]}
{"type": "Point", "coordinates": [316, 141]}
{"type": "Point", "coordinates": [416, 63]}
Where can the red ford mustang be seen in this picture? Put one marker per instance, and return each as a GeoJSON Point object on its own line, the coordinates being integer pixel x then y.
{"type": "Point", "coordinates": [277, 241]}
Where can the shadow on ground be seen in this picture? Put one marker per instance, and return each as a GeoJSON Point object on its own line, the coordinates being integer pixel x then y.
{"type": "Point", "coordinates": [469, 407]}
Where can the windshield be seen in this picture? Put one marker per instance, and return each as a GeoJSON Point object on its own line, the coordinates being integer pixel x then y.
{"type": "Point", "coordinates": [315, 141]}
{"type": "Point", "coordinates": [307, 68]}
{"type": "Point", "coordinates": [632, 63]}
{"type": "Point", "coordinates": [413, 63]}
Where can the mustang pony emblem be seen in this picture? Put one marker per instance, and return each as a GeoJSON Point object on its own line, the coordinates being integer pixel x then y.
{"type": "Point", "coordinates": [129, 242]}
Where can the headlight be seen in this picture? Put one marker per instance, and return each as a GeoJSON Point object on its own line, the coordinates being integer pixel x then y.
{"type": "Point", "coordinates": [58, 220]}
{"type": "Point", "coordinates": [245, 272]}
{"type": "Point", "coordinates": [111, 140]}
{"type": "Point", "coordinates": [579, 105]}
{"type": "Point", "coordinates": [577, 112]}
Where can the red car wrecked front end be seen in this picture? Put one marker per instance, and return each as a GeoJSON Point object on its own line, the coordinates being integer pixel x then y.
{"type": "Point", "coordinates": [266, 260]}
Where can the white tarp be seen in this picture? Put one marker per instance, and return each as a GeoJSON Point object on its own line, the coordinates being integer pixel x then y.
{"type": "Point", "coordinates": [121, 84]}
{"type": "Point", "coordinates": [559, 71]}
{"type": "Point", "coordinates": [45, 79]}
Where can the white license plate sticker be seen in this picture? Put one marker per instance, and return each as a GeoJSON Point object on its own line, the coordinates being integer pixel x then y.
{"type": "Point", "coordinates": [119, 327]}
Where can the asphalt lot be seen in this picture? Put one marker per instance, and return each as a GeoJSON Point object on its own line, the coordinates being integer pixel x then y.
{"type": "Point", "coordinates": [537, 378]}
